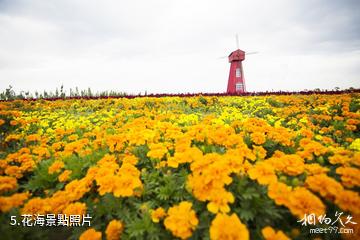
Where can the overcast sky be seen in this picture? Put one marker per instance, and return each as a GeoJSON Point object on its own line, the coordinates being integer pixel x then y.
{"type": "Point", "coordinates": [166, 46]}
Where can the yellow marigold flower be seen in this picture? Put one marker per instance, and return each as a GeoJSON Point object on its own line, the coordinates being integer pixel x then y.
{"type": "Point", "coordinates": [64, 176]}
{"type": "Point", "coordinates": [225, 227]}
{"type": "Point", "coordinates": [258, 138]}
{"type": "Point", "coordinates": [181, 220]}
{"type": "Point", "coordinates": [2, 121]}
{"type": "Point", "coordinates": [7, 183]}
{"type": "Point", "coordinates": [114, 229]}
{"type": "Point", "coordinates": [106, 183]}
{"type": "Point", "coordinates": [188, 154]}
{"type": "Point", "coordinates": [219, 201]}
{"type": "Point", "coordinates": [77, 208]}
{"type": "Point", "coordinates": [130, 159]}
{"type": "Point", "coordinates": [157, 151]}
{"type": "Point", "coordinates": [73, 137]}
{"type": "Point", "coordinates": [355, 145]}
{"type": "Point", "coordinates": [270, 234]}
{"type": "Point", "coordinates": [12, 137]}
{"type": "Point", "coordinates": [259, 151]}
{"type": "Point", "coordinates": [157, 214]}
{"type": "Point", "coordinates": [144, 207]}
{"type": "Point", "coordinates": [56, 167]}
{"type": "Point", "coordinates": [108, 162]}
{"type": "Point", "coordinates": [90, 234]}
{"type": "Point", "coordinates": [125, 183]}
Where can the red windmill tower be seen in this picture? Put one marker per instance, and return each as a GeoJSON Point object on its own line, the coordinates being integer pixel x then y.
{"type": "Point", "coordinates": [236, 82]}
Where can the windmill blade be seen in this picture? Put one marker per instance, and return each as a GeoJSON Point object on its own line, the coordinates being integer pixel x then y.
{"type": "Point", "coordinates": [249, 53]}
{"type": "Point", "coordinates": [237, 41]}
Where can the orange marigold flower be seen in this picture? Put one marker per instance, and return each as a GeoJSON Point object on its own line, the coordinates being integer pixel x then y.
{"type": "Point", "coordinates": [57, 146]}
{"type": "Point", "coordinates": [64, 176]}
{"type": "Point", "coordinates": [33, 138]}
{"type": "Point", "coordinates": [316, 183]}
{"type": "Point", "coordinates": [353, 121]}
{"type": "Point", "coordinates": [157, 214]}
{"type": "Point", "coordinates": [348, 201]}
{"type": "Point", "coordinates": [219, 201]}
{"type": "Point", "coordinates": [356, 159]}
{"type": "Point", "coordinates": [339, 159]}
{"type": "Point", "coordinates": [77, 208]}
{"type": "Point", "coordinates": [14, 171]}
{"type": "Point", "coordinates": [12, 137]}
{"type": "Point", "coordinates": [90, 234]}
{"type": "Point", "coordinates": [56, 167]}
{"type": "Point", "coordinates": [258, 138]}
{"type": "Point", "coordinates": [278, 154]}
{"type": "Point", "coordinates": [184, 155]}
{"type": "Point", "coordinates": [350, 177]}
{"type": "Point", "coordinates": [157, 151]}
{"type": "Point", "coordinates": [225, 227]}
{"type": "Point", "coordinates": [301, 201]}
{"type": "Point", "coordinates": [315, 168]}
{"type": "Point", "coordinates": [36, 206]}
{"type": "Point", "coordinates": [259, 151]}
{"type": "Point", "coordinates": [263, 172]}
{"type": "Point", "coordinates": [279, 192]}
{"type": "Point", "coordinates": [181, 220]}
{"type": "Point", "coordinates": [270, 234]}
{"type": "Point", "coordinates": [311, 148]}
{"type": "Point", "coordinates": [292, 164]}
{"type": "Point", "coordinates": [307, 133]}
{"type": "Point", "coordinates": [130, 159]}
{"type": "Point", "coordinates": [7, 183]}
{"type": "Point", "coordinates": [13, 122]}
{"type": "Point", "coordinates": [350, 127]}
{"type": "Point", "coordinates": [15, 200]}
{"type": "Point", "coordinates": [42, 152]}
{"type": "Point", "coordinates": [114, 229]}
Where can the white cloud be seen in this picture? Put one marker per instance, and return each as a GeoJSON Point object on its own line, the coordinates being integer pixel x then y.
{"type": "Point", "coordinates": [173, 46]}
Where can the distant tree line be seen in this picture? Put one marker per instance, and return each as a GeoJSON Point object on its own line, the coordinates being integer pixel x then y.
{"type": "Point", "coordinates": [10, 94]}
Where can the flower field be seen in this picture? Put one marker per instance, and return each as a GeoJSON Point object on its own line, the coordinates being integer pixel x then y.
{"type": "Point", "coordinates": [214, 167]}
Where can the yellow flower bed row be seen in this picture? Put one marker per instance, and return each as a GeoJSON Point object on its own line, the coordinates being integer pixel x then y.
{"type": "Point", "coordinates": [192, 167]}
